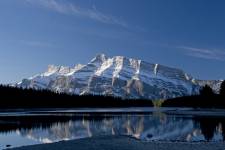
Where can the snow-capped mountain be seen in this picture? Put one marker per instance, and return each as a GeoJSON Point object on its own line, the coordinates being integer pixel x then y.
{"type": "Point", "coordinates": [116, 76]}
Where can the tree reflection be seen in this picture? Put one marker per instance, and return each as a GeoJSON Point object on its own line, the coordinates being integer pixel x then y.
{"type": "Point", "coordinates": [157, 126]}
{"type": "Point", "coordinates": [209, 126]}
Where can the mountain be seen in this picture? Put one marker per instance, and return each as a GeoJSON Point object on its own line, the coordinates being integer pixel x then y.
{"type": "Point", "coordinates": [118, 76]}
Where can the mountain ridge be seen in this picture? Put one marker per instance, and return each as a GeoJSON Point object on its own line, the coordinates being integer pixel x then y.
{"type": "Point", "coordinates": [118, 76]}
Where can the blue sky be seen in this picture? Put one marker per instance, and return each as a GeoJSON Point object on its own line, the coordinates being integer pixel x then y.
{"type": "Point", "coordinates": [186, 34]}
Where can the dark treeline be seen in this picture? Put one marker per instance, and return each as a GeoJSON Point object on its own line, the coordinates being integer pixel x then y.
{"type": "Point", "coordinates": [13, 97]}
{"type": "Point", "coordinates": [196, 101]}
{"type": "Point", "coordinates": [206, 99]}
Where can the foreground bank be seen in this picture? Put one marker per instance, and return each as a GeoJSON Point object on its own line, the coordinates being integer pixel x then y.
{"type": "Point", "coordinates": [124, 143]}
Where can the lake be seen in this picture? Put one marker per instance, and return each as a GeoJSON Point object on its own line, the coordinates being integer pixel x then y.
{"type": "Point", "coordinates": [27, 128]}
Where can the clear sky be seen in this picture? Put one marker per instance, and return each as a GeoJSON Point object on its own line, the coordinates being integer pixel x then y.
{"type": "Point", "coordinates": [186, 34]}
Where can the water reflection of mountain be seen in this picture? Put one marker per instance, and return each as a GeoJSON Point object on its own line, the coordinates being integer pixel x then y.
{"type": "Point", "coordinates": [146, 127]}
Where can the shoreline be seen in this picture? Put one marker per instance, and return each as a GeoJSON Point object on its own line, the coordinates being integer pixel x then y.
{"type": "Point", "coordinates": [123, 143]}
{"type": "Point", "coordinates": [125, 110]}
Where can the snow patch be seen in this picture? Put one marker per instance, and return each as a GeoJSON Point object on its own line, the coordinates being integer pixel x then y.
{"type": "Point", "coordinates": [105, 65]}
{"type": "Point", "coordinates": [156, 69]}
{"type": "Point", "coordinates": [136, 65]}
{"type": "Point", "coordinates": [187, 77]}
{"type": "Point", "coordinates": [118, 66]}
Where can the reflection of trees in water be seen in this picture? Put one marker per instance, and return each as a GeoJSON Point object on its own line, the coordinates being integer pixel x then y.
{"type": "Point", "coordinates": [161, 116]}
{"type": "Point", "coordinates": [13, 123]}
{"type": "Point", "coordinates": [210, 125]}
{"type": "Point", "coordinates": [135, 125]}
{"type": "Point", "coordinates": [223, 128]}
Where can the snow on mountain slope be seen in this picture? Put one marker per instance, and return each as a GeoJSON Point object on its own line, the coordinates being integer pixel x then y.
{"type": "Point", "coordinates": [116, 76]}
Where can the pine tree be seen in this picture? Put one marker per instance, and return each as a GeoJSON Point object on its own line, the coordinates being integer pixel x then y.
{"type": "Point", "coordinates": [206, 91]}
{"type": "Point", "coordinates": [222, 88]}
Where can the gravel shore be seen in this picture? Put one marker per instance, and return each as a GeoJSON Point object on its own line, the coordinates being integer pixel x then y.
{"type": "Point", "coordinates": [123, 143]}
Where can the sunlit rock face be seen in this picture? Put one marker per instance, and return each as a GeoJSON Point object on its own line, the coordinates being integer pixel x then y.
{"type": "Point", "coordinates": [155, 127]}
{"type": "Point", "coordinates": [118, 76]}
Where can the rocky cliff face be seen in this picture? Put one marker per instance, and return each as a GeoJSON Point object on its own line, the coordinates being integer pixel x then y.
{"type": "Point", "coordinates": [117, 76]}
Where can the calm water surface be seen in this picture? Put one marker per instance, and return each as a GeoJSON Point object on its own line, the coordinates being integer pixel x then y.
{"type": "Point", "coordinates": [47, 128]}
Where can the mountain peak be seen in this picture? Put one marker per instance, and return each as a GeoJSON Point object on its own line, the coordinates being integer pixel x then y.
{"type": "Point", "coordinates": [99, 58]}
{"type": "Point", "coordinates": [101, 55]}
{"type": "Point", "coordinates": [118, 76]}
{"type": "Point", "coordinates": [53, 68]}
{"type": "Point", "coordinates": [78, 66]}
